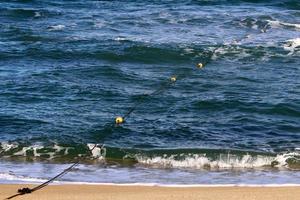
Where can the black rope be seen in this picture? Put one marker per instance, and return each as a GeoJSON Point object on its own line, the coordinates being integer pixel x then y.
{"type": "Point", "coordinates": [159, 90]}
{"type": "Point", "coordinates": [26, 190]}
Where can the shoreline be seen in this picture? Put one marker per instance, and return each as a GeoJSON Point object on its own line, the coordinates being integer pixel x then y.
{"type": "Point", "coordinates": [61, 183]}
{"type": "Point", "coordinates": [151, 192]}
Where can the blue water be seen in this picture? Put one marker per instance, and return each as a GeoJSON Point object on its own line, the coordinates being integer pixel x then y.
{"type": "Point", "coordinates": [68, 68]}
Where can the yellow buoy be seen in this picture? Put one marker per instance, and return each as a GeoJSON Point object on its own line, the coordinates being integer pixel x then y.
{"type": "Point", "coordinates": [200, 65]}
{"type": "Point", "coordinates": [119, 120]}
{"type": "Point", "coordinates": [173, 78]}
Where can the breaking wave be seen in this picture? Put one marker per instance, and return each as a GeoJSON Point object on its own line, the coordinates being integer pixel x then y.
{"type": "Point", "coordinates": [225, 161]}
{"type": "Point", "coordinates": [292, 45]}
{"type": "Point", "coordinates": [279, 24]}
{"type": "Point", "coordinates": [155, 158]}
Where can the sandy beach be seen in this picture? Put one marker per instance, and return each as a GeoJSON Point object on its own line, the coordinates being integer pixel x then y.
{"type": "Point", "coordinates": [95, 192]}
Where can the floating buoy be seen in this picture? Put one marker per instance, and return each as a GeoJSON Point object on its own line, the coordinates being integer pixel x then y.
{"type": "Point", "coordinates": [173, 78]}
{"type": "Point", "coordinates": [119, 120]}
{"type": "Point", "coordinates": [200, 65]}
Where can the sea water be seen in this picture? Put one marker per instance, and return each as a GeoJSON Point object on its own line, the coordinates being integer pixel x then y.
{"type": "Point", "coordinates": [68, 68]}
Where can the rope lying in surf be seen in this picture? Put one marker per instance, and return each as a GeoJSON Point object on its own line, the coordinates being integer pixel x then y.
{"type": "Point", "coordinates": [26, 190]}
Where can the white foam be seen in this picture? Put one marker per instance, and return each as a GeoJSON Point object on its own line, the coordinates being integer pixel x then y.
{"type": "Point", "coordinates": [34, 148]}
{"type": "Point", "coordinates": [279, 24]}
{"type": "Point", "coordinates": [167, 185]}
{"type": "Point", "coordinates": [194, 161]}
{"type": "Point", "coordinates": [121, 39]}
{"type": "Point", "coordinates": [189, 50]}
{"type": "Point", "coordinates": [99, 24]}
{"type": "Point", "coordinates": [229, 161]}
{"type": "Point", "coordinates": [98, 151]}
{"type": "Point", "coordinates": [6, 146]}
{"type": "Point", "coordinates": [57, 27]}
{"type": "Point", "coordinates": [291, 45]}
{"type": "Point", "coordinates": [12, 177]}
{"type": "Point", "coordinates": [23, 179]}
{"type": "Point", "coordinates": [59, 149]}
{"type": "Point", "coordinates": [239, 52]}
{"type": "Point", "coordinates": [37, 14]}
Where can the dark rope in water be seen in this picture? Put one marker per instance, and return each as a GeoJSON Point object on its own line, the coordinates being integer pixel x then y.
{"type": "Point", "coordinates": [159, 90]}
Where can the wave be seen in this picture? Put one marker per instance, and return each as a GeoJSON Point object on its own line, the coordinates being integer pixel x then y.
{"type": "Point", "coordinates": [225, 161]}
{"type": "Point", "coordinates": [256, 23]}
{"type": "Point", "coordinates": [263, 23]}
{"type": "Point", "coordinates": [19, 12]}
{"type": "Point", "coordinates": [13, 178]}
{"type": "Point", "coordinates": [211, 159]}
{"type": "Point", "coordinates": [28, 13]}
{"type": "Point", "coordinates": [110, 50]}
{"type": "Point", "coordinates": [34, 151]}
{"type": "Point", "coordinates": [136, 52]}
{"type": "Point", "coordinates": [58, 27]}
{"type": "Point", "coordinates": [250, 107]}
{"type": "Point", "coordinates": [292, 45]}
{"type": "Point", "coordinates": [290, 4]}
{"type": "Point", "coordinates": [279, 24]}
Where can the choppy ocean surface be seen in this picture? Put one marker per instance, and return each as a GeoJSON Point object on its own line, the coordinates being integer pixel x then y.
{"type": "Point", "coordinates": [68, 68]}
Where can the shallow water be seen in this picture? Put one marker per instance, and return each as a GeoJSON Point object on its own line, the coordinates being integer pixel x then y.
{"type": "Point", "coordinates": [68, 68]}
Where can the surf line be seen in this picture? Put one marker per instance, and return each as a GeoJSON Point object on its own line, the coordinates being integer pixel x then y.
{"type": "Point", "coordinates": [118, 121]}
{"type": "Point", "coordinates": [26, 190]}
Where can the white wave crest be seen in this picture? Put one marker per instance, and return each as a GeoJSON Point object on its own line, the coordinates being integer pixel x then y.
{"type": "Point", "coordinates": [56, 27]}
{"type": "Point", "coordinates": [5, 146]}
{"type": "Point", "coordinates": [292, 45]}
{"type": "Point", "coordinates": [228, 161]}
{"type": "Point", "coordinates": [37, 14]}
{"type": "Point", "coordinates": [279, 24]}
{"type": "Point", "coordinates": [235, 52]}
{"type": "Point", "coordinates": [23, 151]}
{"type": "Point", "coordinates": [98, 152]}
{"type": "Point", "coordinates": [33, 149]}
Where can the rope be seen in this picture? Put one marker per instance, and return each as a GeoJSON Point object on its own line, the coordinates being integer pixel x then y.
{"type": "Point", "coordinates": [26, 190]}
{"type": "Point", "coordinates": [143, 98]}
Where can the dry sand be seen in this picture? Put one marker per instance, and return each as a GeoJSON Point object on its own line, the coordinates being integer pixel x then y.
{"type": "Point", "coordinates": [81, 192]}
